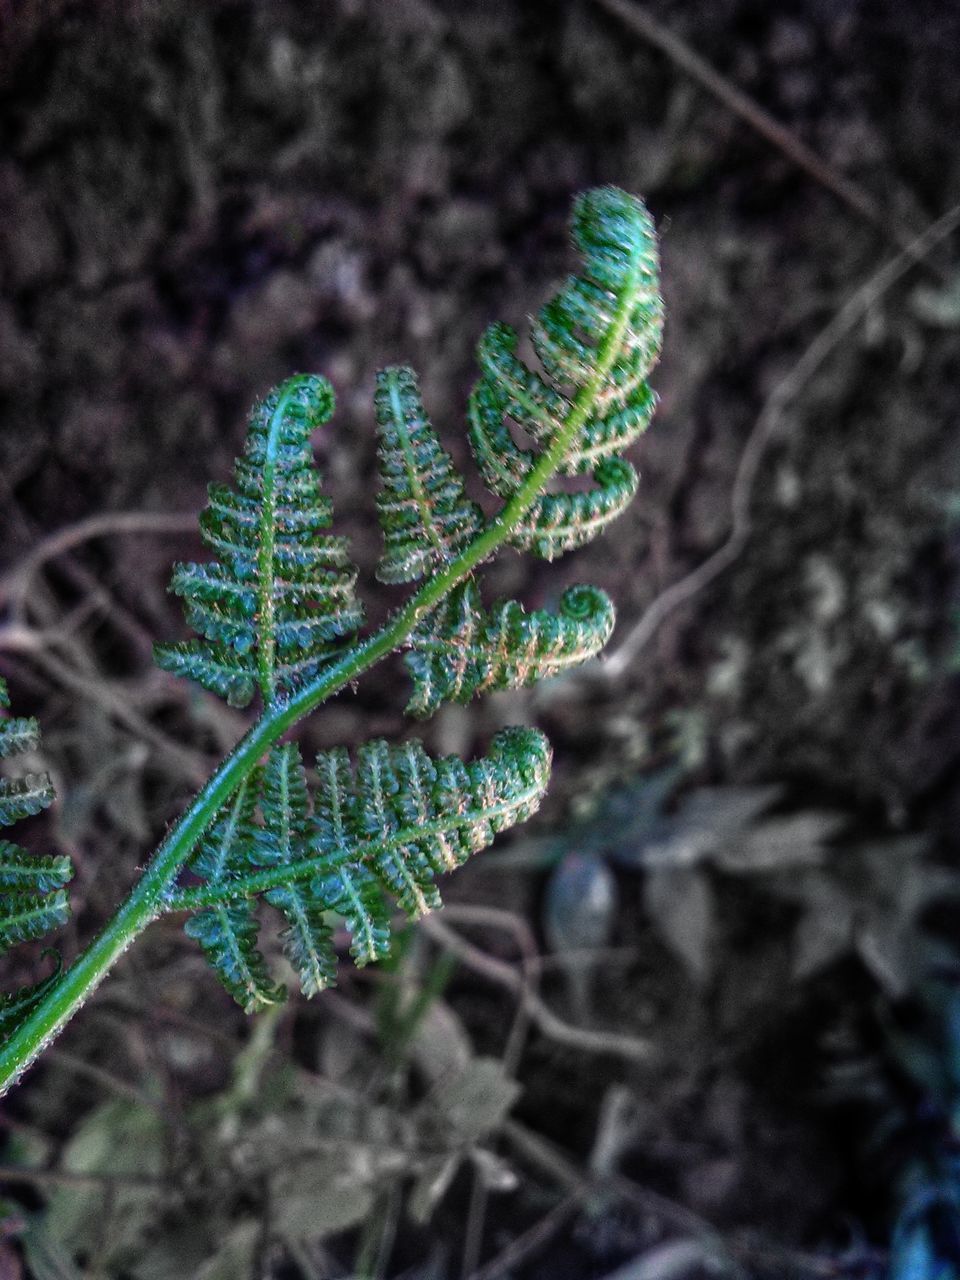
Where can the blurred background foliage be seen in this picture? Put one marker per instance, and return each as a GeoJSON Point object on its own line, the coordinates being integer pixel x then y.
{"type": "Point", "coordinates": [702, 1019]}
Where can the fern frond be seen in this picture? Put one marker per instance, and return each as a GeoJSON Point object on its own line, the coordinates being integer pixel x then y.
{"type": "Point", "coordinates": [572, 335]}
{"type": "Point", "coordinates": [32, 899]}
{"type": "Point", "coordinates": [413, 818]}
{"type": "Point", "coordinates": [271, 611]}
{"type": "Point", "coordinates": [426, 516]}
{"type": "Point", "coordinates": [459, 650]}
{"type": "Point", "coordinates": [393, 822]}
{"type": "Point", "coordinates": [27, 916]}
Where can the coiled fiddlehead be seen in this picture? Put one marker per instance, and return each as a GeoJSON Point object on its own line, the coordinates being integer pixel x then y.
{"type": "Point", "coordinates": [460, 650]}
{"type": "Point", "coordinates": [596, 352]}
{"type": "Point", "coordinates": [615, 234]}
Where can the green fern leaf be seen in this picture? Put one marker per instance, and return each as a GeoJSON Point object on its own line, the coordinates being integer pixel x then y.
{"type": "Point", "coordinates": [347, 885]}
{"type": "Point", "coordinates": [228, 934]}
{"type": "Point", "coordinates": [15, 1005]}
{"type": "Point", "coordinates": [28, 916]}
{"type": "Point", "coordinates": [228, 937]}
{"type": "Point", "coordinates": [24, 797]}
{"type": "Point", "coordinates": [227, 846]}
{"type": "Point", "coordinates": [32, 899]}
{"type": "Point", "coordinates": [426, 516]}
{"type": "Point", "coordinates": [271, 611]}
{"type": "Point", "coordinates": [285, 803]}
{"type": "Point", "coordinates": [571, 335]}
{"type": "Point", "coordinates": [392, 823]}
{"type": "Point", "coordinates": [407, 818]}
{"type": "Point", "coordinates": [307, 938]}
{"type": "Point", "coordinates": [460, 651]}
{"type": "Point", "coordinates": [22, 872]}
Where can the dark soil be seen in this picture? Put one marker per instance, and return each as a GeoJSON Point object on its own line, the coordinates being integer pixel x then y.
{"type": "Point", "coordinates": [198, 199]}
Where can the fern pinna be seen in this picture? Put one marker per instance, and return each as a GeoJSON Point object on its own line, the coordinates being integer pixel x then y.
{"type": "Point", "coordinates": [33, 900]}
{"type": "Point", "coordinates": [276, 614]}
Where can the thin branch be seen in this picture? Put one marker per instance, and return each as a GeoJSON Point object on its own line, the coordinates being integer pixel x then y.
{"type": "Point", "coordinates": [189, 764]}
{"type": "Point", "coordinates": [15, 584]}
{"type": "Point", "coordinates": [504, 975]}
{"type": "Point", "coordinates": [107, 1080]}
{"type": "Point", "coordinates": [767, 425]}
{"type": "Point", "coordinates": [557, 1165]}
{"type": "Point", "coordinates": [529, 1241]}
{"type": "Point", "coordinates": [64, 1178]}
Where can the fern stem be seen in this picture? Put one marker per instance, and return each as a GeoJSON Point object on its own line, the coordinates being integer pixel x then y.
{"type": "Point", "coordinates": [267, 646]}
{"type": "Point", "coordinates": [149, 898]}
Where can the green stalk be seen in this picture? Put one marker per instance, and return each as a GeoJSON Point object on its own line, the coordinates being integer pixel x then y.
{"type": "Point", "coordinates": [147, 899]}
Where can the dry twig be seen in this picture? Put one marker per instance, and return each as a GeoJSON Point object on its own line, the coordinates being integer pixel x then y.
{"type": "Point", "coordinates": [504, 975]}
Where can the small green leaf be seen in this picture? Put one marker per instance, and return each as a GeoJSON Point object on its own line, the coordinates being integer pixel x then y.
{"type": "Point", "coordinates": [24, 797]}
{"type": "Point", "coordinates": [228, 937]}
{"type": "Point", "coordinates": [460, 651]}
{"type": "Point", "coordinates": [426, 516]}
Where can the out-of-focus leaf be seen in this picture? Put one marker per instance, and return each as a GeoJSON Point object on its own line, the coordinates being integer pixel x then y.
{"type": "Point", "coordinates": [494, 1172]}
{"type": "Point", "coordinates": [47, 1259]}
{"type": "Point", "coordinates": [617, 1130]}
{"type": "Point", "coordinates": [865, 899]}
{"type": "Point", "coordinates": [173, 1255]}
{"type": "Point", "coordinates": [316, 1198]}
{"type": "Point", "coordinates": [117, 1139]}
{"type": "Point", "coordinates": [430, 1187]}
{"type": "Point", "coordinates": [475, 1102]}
{"type": "Point", "coordinates": [677, 1260]}
{"type": "Point", "coordinates": [237, 1256]}
{"type": "Point", "coordinates": [440, 1045]}
{"type": "Point", "coordinates": [938, 307]}
{"type": "Point", "coordinates": [680, 904]}
{"type": "Point", "coordinates": [779, 844]}
{"type": "Point", "coordinates": [578, 916]}
{"type": "Point", "coordinates": [927, 1237]}
{"type": "Point", "coordinates": [581, 900]}
{"type": "Point", "coordinates": [706, 821]}
{"type": "Point", "coordinates": [825, 930]}
{"type": "Point", "coordinates": [723, 809]}
{"type": "Point", "coordinates": [630, 815]}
